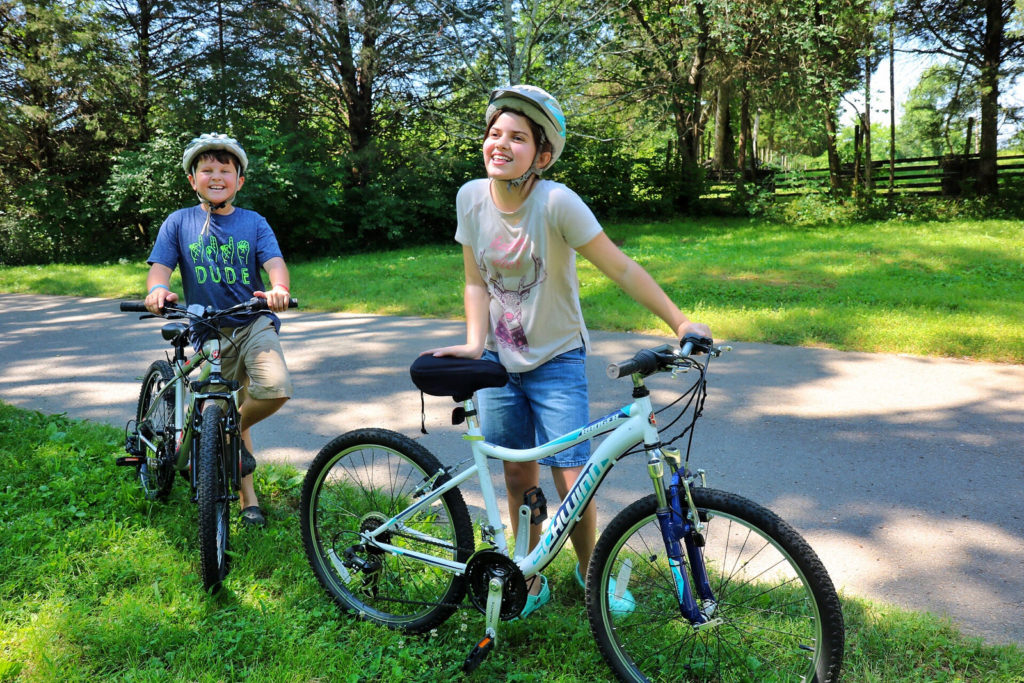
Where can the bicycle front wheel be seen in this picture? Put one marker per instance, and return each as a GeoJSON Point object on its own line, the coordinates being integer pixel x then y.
{"type": "Point", "coordinates": [775, 616]}
{"type": "Point", "coordinates": [358, 482]}
{"type": "Point", "coordinates": [155, 419]}
{"type": "Point", "coordinates": [213, 497]}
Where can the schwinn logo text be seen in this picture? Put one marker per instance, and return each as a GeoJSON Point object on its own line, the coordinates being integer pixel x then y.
{"type": "Point", "coordinates": [584, 485]}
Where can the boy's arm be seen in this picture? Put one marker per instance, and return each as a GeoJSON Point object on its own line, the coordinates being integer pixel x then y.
{"type": "Point", "coordinates": [158, 290]}
{"type": "Point", "coordinates": [280, 283]}
{"type": "Point", "coordinates": [637, 282]}
{"type": "Point", "coordinates": [477, 302]}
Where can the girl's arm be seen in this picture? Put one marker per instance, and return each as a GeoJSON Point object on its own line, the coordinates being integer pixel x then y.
{"type": "Point", "coordinates": [477, 302]}
{"type": "Point", "coordinates": [637, 282]}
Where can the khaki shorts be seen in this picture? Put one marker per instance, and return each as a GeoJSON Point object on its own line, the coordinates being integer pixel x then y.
{"type": "Point", "coordinates": [252, 355]}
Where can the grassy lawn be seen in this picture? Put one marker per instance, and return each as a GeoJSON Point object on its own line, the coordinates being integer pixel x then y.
{"type": "Point", "coordinates": [953, 288]}
{"type": "Point", "coordinates": [97, 584]}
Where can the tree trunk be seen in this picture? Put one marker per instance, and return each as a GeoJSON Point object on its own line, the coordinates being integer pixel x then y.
{"type": "Point", "coordinates": [830, 145]}
{"type": "Point", "coordinates": [745, 160]}
{"type": "Point", "coordinates": [989, 81]}
{"type": "Point", "coordinates": [724, 155]}
{"type": "Point", "coordinates": [868, 168]}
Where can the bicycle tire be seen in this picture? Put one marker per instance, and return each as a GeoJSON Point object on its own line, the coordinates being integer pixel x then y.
{"type": "Point", "coordinates": [777, 618]}
{"type": "Point", "coordinates": [357, 481]}
{"type": "Point", "coordinates": [213, 498]}
{"type": "Point", "coordinates": [156, 472]}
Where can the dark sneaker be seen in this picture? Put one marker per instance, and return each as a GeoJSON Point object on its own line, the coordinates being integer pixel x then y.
{"type": "Point", "coordinates": [253, 516]}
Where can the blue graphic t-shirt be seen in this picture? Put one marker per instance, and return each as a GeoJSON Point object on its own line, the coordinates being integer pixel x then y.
{"type": "Point", "coordinates": [222, 267]}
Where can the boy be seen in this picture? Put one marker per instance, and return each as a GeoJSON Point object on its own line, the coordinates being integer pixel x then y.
{"type": "Point", "coordinates": [220, 249]}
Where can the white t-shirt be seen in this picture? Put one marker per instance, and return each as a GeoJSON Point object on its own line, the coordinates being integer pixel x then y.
{"type": "Point", "coordinates": [528, 260]}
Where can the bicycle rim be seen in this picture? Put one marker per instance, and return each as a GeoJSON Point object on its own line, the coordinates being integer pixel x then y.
{"type": "Point", "coordinates": [156, 473]}
{"type": "Point", "coordinates": [777, 616]}
{"type": "Point", "coordinates": [358, 482]}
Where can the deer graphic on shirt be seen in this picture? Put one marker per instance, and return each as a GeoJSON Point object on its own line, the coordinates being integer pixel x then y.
{"type": "Point", "coordinates": [509, 328]}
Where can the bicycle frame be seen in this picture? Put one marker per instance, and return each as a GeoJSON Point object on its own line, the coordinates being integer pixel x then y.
{"type": "Point", "coordinates": [628, 426]}
{"type": "Point", "coordinates": [207, 359]}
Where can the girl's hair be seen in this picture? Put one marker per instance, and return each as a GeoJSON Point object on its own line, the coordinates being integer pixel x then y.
{"type": "Point", "coordinates": [221, 156]}
{"type": "Point", "coordinates": [543, 144]}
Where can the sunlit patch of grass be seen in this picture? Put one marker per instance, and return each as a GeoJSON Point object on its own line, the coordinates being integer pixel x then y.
{"type": "Point", "coordinates": [893, 286]}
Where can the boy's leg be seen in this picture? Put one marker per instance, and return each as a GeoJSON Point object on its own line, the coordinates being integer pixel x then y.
{"type": "Point", "coordinates": [252, 411]}
{"type": "Point", "coordinates": [259, 362]}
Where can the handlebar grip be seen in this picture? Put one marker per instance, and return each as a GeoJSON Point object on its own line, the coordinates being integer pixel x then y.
{"type": "Point", "coordinates": [646, 362]}
{"type": "Point", "coordinates": [694, 343]}
{"type": "Point", "coordinates": [293, 303]}
{"type": "Point", "coordinates": [134, 307]}
{"type": "Point", "coordinates": [622, 369]}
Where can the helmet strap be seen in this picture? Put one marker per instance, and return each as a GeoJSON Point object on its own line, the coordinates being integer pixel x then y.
{"type": "Point", "coordinates": [533, 170]}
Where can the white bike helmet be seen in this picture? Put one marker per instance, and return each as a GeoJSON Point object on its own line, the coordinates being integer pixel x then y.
{"type": "Point", "coordinates": [208, 142]}
{"type": "Point", "coordinates": [540, 107]}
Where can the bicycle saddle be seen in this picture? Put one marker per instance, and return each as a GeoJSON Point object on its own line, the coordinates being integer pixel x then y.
{"type": "Point", "coordinates": [455, 377]}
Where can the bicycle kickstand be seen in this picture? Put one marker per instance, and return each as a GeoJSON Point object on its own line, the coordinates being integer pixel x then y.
{"type": "Point", "coordinates": [480, 651]}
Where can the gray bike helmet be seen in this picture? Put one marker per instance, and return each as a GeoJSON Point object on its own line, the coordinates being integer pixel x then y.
{"type": "Point", "coordinates": [208, 142]}
{"type": "Point", "coordinates": [540, 107]}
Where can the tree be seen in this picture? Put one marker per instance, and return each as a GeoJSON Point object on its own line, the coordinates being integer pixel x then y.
{"type": "Point", "coordinates": [985, 38]}
{"type": "Point", "coordinates": [936, 112]}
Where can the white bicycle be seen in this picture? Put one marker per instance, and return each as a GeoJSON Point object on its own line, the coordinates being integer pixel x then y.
{"type": "Point", "coordinates": [721, 587]}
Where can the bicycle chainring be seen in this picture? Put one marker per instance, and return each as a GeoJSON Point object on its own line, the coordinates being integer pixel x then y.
{"type": "Point", "coordinates": [490, 564]}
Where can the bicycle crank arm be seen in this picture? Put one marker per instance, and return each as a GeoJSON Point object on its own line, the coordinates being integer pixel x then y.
{"type": "Point", "coordinates": [493, 614]}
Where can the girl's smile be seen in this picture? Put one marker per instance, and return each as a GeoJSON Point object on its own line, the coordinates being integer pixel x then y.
{"type": "Point", "coordinates": [509, 148]}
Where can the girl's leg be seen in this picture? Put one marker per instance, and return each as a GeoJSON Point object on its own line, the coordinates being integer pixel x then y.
{"type": "Point", "coordinates": [584, 536]}
{"type": "Point", "coordinates": [520, 477]}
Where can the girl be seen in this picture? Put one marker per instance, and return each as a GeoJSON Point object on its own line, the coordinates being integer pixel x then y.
{"type": "Point", "coordinates": [520, 236]}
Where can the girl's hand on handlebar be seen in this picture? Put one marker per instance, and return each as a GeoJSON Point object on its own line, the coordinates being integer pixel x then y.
{"type": "Point", "coordinates": [690, 327]}
{"type": "Point", "coordinates": [157, 298]}
{"type": "Point", "coordinates": [277, 299]}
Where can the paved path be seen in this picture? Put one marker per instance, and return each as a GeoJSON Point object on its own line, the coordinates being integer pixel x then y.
{"type": "Point", "coordinates": [906, 474]}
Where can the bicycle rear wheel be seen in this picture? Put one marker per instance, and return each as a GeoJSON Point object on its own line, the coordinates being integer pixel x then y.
{"type": "Point", "coordinates": [359, 481]}
{"type": "Point", "coordinates": [214, 498]}
{"type": "Point", "coordinates": [156, 472]}
{"type": "Point", "coordinates": [777, 616]}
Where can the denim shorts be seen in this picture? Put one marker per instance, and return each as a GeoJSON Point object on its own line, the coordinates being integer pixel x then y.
{"type": "Point", "coordinates": [538, 406]}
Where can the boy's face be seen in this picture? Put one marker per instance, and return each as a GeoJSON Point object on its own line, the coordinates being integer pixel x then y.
{"type": "Point", "coordinates": [509, 148]}
{"type": "Point", "coordinates": [215, 181]}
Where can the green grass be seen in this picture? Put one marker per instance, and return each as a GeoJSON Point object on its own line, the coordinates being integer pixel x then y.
{"type": "Point", "coordinates": [940, 288]}
{"type": "Point", "coordinates": [97, 584]}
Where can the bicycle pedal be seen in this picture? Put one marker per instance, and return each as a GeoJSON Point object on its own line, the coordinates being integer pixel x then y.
{"type": "Point", "coordinates": [478, 654]}
{"type": "Point", "coordinates": [129, 461]}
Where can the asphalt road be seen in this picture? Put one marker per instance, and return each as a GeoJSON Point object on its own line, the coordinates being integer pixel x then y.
{"type": "Point", "coordinates": [906, 474]}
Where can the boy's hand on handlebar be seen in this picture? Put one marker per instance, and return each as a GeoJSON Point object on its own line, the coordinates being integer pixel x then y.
{"type": "Point", "coordinates": [156, 300]}
{"type": "Point", "coordinates": [277, 298]}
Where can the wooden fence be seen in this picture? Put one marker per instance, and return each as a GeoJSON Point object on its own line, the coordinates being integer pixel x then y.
{"type": "Point", "coordinates": [950, 176]}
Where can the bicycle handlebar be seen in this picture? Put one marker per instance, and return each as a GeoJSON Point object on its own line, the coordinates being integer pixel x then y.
{"type": "Point", "coordinates": [649, 361]}
{"type": "Point", "coordinates": [254, 305]}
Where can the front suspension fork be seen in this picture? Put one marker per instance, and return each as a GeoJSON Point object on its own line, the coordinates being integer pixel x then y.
{"type": "Point", "coordinates": [680, 526]}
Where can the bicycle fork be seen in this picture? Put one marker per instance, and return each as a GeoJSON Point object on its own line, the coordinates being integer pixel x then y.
{"type": "Point", "coordinates": [680, 526]}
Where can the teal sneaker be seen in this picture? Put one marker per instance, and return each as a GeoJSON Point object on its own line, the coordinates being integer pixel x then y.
{"type": "Point", "coordinates": [535, 602]}
{"type": "Point", "coordinates": [622, 606]}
